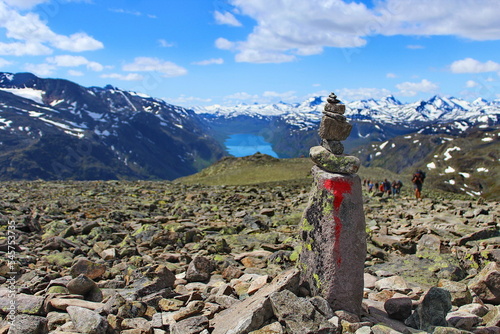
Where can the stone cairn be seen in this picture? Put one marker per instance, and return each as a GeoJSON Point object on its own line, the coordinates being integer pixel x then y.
{"type": "Point", "coordinates": [333, 224]}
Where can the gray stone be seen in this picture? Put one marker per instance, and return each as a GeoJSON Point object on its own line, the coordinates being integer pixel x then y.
{"type": "Point", "coordinates": [336, 108]}
{"type": "Point", "coordinates": [428, 246]}
{"type": "Point", "coordinates": [255, 310]}
{"type": "Point", "coordinates": [199, 269]}
{"type": "Point", "coordinates": [486, 284]}
{"type": "Point", "coordinates": [334, 240]}
{"type": "Point", "coordinates": [89, 268]}
{"type": "Point", "coordinates": [55, 319]}
{"type": "Point", "coordinates": [463, 320]}
{"type": "Point", "coordinates": [192, 325]}
{"type": "Point", "coordinates": [322, 306]}
{"type": "Point", "coordinates": [460, 293]}
{"type": "Point", "coordinates": [274, 328]}
{"type": "Point", "coordinates": [326, 160]}
{"type": "Point", "coordinates": [87, 321]}
{"type": "Point", "coordinates": [398, 308]}
{"type": "Point", "coordinates": [298, 314]}
{"type": "Point", "coordinates": [334, 146]}
{"type": "Point", "coordinates": [26, 304]}
{"type": "Point", "coordinates": [80, 285]}
{"type": "Point", "coordinates": [162, 278]}
{"type": "Point", "coordinates": [432, 311]}
{"type": "Point", "coordinates": [28, 324]}
{"type": "Point", "coordinates": [334, 128]}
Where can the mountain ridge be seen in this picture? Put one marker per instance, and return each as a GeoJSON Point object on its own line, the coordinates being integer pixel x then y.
{"type": "Point", "coordinates": [125, 134]}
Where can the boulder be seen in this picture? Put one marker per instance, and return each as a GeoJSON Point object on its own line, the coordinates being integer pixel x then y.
{"type": "Point", "coordinates": [486, 284]}
{"type": "Point", "coordinates": [432, 311]}
{"type": "Point", "coordinates": [87, 321]}
{"type": "Point", "coordinates": [298, 314]}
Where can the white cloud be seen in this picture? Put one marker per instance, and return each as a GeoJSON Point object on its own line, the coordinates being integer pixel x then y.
{"type": "Point", "coordinates": [77, 42]}
{"type": "Point", "coordinates": [34, 36]}
{"type": "Point", "coordinates": [24, 4]}
{"type": "Point", "coordinates": [289, 28]}
{"type": "Point", "coordinates": [187, 101]}
{"type": "Point", "coordinates": [217, 61]}
{"type": "Point", "coordinates": [226, 18]}
{"type": "Point", "coordinates": [224, 44]}
{"type": "Point", "coordinates": [391, 75]}
{"type": "Point", "coordinates": [362, 93]}
{"type": "Point", "coordinates": [469, 65]}
{"type": "Point", "coordinates": [471, 84]}
{"type": "Point", "coordinates": [285, 96]}
{"type": "Point", "coordinates": [132, 12]}
{"type": "Point", "coordinates": [74, 61]}
{"type": "Point", "coordinates": [21, 49]}
{"type": "Point", "coordinates": [147, 64]}
{"type": "Point", "coordinates": [413, 88]}
{"type": "Point", "coordinates": [263, 56]}
{"type": "Point", "coordinates": [128, 77]}
{"type": "Point", "coordinates": [243, 96]}
{"type": "Point", "coordinates": [75, 73]}
{"type": "Point", "coordinates": [164, 44]}
{"type": "Point", "coordinates": [40, 69]}
{"type": "Point", "coordinates": [4, 62]}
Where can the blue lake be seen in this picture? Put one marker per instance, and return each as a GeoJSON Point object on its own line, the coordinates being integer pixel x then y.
{"type": "Point", "coordinates": [242, 144]}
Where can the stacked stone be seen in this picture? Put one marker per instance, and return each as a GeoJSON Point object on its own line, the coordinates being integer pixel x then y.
{"type": "Point", "coordinates": [333, 129]}
{"type": "Point", "coordinates": [333, 224]}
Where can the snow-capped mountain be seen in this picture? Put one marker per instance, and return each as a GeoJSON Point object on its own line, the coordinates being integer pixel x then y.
{"type": "Point", "coordinates": [291, 128]}
{"type": "Point", "coordinates": [53, 129]}
{"type": "Point", "coordinates": [387, 110]}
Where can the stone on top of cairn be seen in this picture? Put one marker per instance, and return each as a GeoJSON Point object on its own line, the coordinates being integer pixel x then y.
{"type": "Point", "coordinates": [333, 129]}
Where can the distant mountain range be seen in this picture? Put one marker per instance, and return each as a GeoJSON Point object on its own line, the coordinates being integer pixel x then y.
{"type": "Point", "coordinates": [57, 129]}
{"type": "Point", "coordinates": [292, 128]}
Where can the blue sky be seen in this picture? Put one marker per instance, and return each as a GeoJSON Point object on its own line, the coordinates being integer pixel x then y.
{"type": "Point", "coordinates": [204, 52]}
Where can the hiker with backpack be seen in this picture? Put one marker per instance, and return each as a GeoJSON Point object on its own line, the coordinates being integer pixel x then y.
{"type": "Point", "coordinates": [418, 181]}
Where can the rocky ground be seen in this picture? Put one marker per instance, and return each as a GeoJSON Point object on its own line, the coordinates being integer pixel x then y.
{"type": "Point", "coordinates": [160, 257]}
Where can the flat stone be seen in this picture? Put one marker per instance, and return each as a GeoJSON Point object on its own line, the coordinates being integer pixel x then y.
{"type": "Point", "coordinates": [89, 268]}
{"type": "Point", "coordinates": [393, 283]}
{"type": "Point", "coordinates": [330, 162]}
{"type": "Point", "coordinates": [274, 328]}
{"type": "Point", "coordinates": [64, 303]}
{"type": "Point", "coordinates": [460, 293]}
{"type": "Point", "coordinates": [254, 311]}
{"type": "Point", "coordinates": [28, 324]}
{"type": "Point", "coordinates": [463, 320]}
{"type": "Point", "coordinates": [87, 321]}
{"type": "Point", "coordinates": [194, 325]}
{"type": "Point", "coordinates": [336, 108]}
{"type": "Point", "coordinates": [26, 304]}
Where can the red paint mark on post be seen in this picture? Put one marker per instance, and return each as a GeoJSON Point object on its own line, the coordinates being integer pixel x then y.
{"type": "Point", "coordinates": [338, 188]}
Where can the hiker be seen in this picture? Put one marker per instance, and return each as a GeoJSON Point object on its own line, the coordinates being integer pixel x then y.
{"type": "Point", "coordinates": [387, 187]}
{"type": "Point", "coordinates": [394, 186]}
{"type": "Point", "coordinates": [370, 186]}
{"type": "Point", "coordinates": [418, 181]}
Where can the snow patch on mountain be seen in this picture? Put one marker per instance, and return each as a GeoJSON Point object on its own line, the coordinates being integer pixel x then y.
{"type": "Point", "coordinates": [27, 93]}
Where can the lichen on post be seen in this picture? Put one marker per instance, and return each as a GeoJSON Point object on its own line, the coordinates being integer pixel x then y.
{"type": "Point", "coordinates": [333, 224]}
